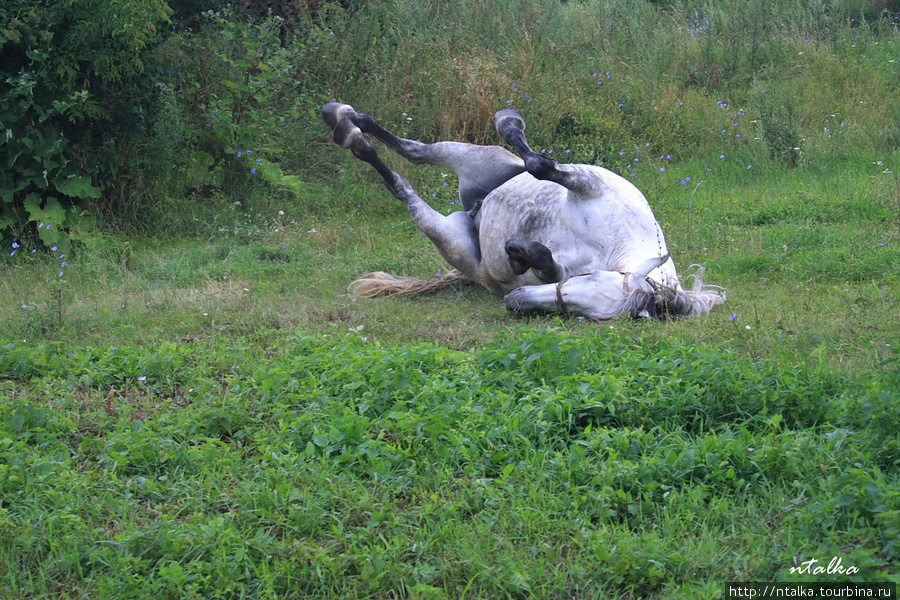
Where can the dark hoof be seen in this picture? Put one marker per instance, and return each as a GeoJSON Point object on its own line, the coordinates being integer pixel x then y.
{"type": "Point", "coordinates": [508, 117]}
{"type": "Point", "coordinates": [518, 256]}
{"type": "Point", "coordinates": [333, 112]}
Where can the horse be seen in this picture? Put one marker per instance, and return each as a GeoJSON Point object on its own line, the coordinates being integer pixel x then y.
{"type": "Point", "coordinates": [553, 238]}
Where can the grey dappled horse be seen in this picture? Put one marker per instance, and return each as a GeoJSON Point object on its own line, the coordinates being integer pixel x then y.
{"type": "Point", "coordinates": [552, 237]}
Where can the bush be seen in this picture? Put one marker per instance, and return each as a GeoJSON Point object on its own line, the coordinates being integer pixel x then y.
{"type": "Point", "coordinates": [71, 96]}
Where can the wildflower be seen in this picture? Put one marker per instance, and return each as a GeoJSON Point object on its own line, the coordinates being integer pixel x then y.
{"type": "Point", "coordinates": [259, 161]}
{"type": "Point", "coordinates": [15, 245]}
{"type": "Point", "coordinates": [687, 178]}
{"type": "Point", "coordinates": [64, 263]}
{"type": "Point", "coordinates": [253, 170]}
{"type": "Point", "coordinates": [60, 273]}
{"type": "Point", "coordinates": [249, 152]}
{"type": "Point", "coordinates": [683, 182]}
{"type": "Point", "coordinates": [749, 166]}
{"type": "Point", "coordinates": [240, 154]}
{"type": "Point", "coordinates": [662, 169]}
{"type": "Point", "coordinates": [732, 317]}
{"type": "Point", "coordinates": [281, 212]}
{"type": "Point", "coordinates": [53, 249]}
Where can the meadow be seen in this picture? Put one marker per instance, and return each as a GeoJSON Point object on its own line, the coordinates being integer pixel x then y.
{"type": "Point", "coordinates": [192, 406]}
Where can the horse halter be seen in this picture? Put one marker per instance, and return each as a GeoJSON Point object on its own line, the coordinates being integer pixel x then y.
{"type": "Point", "coordinates": [657, 288]}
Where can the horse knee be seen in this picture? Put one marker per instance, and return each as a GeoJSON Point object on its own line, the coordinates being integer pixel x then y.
{"type": "Point", "coordinates": [540, 257]}
{"type": "Point", "coordinates": [535, 256]}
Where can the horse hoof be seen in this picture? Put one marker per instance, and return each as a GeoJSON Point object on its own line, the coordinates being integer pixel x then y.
{"type": "Point", "coordinates": [510, 117]}
{"type": "Point", "coordinates": [333, 112]}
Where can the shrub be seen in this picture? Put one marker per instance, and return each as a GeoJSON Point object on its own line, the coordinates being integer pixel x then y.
{"type": "Point", "coordinates": [71, 96]}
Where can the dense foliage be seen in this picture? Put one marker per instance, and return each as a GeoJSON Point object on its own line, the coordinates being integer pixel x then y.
{"type": "Point", "coordinates": [71, 101]}
{"type": "Point", "coordinates": [544, 466]}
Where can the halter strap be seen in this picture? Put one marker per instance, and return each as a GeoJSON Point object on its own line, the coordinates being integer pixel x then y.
{"type": "Point", "coordinates": [625, 289]}
{"type": "Point", "coordinates": [559, 298]}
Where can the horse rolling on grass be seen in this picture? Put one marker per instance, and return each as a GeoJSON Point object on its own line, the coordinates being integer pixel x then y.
{"type": "Point", "coordinates": [552, 237]}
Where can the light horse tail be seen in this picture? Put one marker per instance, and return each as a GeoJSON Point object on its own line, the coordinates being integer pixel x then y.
{"type": "Point", "coordinates": [384, 285]}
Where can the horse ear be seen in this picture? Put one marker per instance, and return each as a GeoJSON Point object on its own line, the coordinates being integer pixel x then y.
{"type": "Point", "coordinates": [648, 265]}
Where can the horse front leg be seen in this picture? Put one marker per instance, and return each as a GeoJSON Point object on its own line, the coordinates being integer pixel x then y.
{"type": "Point", "coordinates": [455, 236]}
{"type": "Point", "coordinates": [511, 127]}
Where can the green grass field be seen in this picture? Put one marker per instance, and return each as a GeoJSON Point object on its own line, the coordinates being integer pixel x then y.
{"type": "Point", "coordinates": [194, 407]}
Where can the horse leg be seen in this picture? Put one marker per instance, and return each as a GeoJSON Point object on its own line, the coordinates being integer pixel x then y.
{"type": "Point", "coordinates": [454, 235]}
{"type": "Point", "coordinates": [480, 169]}
{"type": "Point", "coordinates": [534, 256]}
{"type": "Point", "coordinates": [511, 127]}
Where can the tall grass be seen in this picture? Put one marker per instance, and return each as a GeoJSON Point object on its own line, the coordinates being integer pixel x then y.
{"type": "Point", "coordinates": [450, 66]}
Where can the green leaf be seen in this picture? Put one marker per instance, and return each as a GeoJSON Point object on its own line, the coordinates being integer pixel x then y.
{"type": "Point", "coordinates": [77, 185]}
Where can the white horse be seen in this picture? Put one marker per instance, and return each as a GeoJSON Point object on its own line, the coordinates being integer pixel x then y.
{"type": "Point", "coordinates": [552, 237]}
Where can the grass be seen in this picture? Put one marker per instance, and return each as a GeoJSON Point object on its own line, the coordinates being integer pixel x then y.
{"type": "Point", "coordinates": [301, 465]}
{"type": "Point", "coordinates": [809, 260]}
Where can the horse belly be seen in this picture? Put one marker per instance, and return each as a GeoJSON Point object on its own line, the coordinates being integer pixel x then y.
{"type": "Point", "coordinates": [528, 210]}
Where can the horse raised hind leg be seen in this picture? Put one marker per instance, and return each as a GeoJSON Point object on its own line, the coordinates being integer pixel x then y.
{"type": "Point", "coordinates": [480, 169]}
{"type": "Point", "coordinates": [454, 235]}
